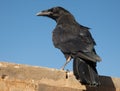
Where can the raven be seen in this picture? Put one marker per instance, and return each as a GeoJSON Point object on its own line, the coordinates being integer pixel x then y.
{"type": "Point", "coordinates": [75, 42]}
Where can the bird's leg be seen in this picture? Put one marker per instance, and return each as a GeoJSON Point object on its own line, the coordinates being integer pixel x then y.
{"type": "Point", "coordinates": [67, 61]}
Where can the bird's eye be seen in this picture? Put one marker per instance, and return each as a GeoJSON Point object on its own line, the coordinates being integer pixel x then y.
{"type": "Point", "coordinates": [55, 10]}
{"type": "Point", "coordinates": [51, 10]}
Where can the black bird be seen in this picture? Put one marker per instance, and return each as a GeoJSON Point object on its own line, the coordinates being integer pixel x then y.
{"type": "Point", "coordinates": [75, 42]}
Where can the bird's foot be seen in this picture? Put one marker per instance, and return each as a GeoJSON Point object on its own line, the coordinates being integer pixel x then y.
{"type": "Point", "coordinates": [68, 73]}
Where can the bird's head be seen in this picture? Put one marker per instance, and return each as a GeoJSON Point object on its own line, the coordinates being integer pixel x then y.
{"type": "Point", "coordinates": [53, 13]}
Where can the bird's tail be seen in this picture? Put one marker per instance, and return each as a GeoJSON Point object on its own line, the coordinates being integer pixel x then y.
{"type": "Point", "coordinates": [85, 72]}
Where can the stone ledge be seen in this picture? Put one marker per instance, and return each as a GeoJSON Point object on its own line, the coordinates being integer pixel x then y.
{"type": "Point", "coordinates": [17, 77]}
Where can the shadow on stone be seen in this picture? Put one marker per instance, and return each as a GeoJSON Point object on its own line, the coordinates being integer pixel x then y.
{"type": "Point", "coordinates": [106, 85]}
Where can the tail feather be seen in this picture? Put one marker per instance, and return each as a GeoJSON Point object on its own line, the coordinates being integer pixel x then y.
{"type": "Point", "coordinates": [86, 72]}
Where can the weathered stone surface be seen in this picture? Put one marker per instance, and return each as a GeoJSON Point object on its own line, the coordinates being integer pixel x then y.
{"type": "Point", "coordinates": [16, 77]}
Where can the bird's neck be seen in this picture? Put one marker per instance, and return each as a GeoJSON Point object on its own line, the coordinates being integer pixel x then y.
{"type": "Point", "coordinates": [65, 19]}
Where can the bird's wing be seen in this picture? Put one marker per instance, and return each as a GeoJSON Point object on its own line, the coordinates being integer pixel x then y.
{"type": "Point", "coordinates": [74, 39]}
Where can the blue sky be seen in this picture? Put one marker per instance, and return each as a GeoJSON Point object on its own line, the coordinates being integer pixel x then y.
{"type": "Point", "coordinates": [27, 39]}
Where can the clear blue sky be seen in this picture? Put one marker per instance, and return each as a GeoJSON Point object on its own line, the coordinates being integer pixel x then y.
{"type": "Point", "coordinates": [27, 39]}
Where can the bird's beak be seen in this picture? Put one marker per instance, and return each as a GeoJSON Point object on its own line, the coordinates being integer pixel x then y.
{"type": "Point", "coordinates": [43, 13]}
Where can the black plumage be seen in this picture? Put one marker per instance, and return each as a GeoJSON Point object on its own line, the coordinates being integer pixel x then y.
{"type": "Point", "coordinates": [75, 42]}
